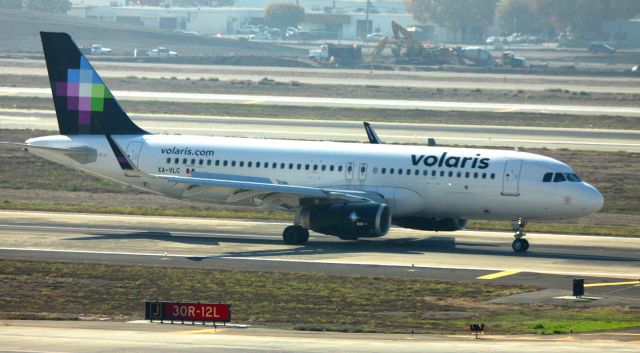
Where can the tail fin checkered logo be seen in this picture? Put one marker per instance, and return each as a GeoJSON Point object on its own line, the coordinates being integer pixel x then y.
{"type": "Point", "coordinates": [84, 90]}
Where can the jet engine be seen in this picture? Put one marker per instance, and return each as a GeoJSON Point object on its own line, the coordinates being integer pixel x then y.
{"type": "Point", "coordinates": [446, 224]}
{"type": "Point", "coordinates": [347, 220]}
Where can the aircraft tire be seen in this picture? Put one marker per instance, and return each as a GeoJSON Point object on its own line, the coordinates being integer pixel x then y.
{"type": "Point", "coordinates": [520, 245]}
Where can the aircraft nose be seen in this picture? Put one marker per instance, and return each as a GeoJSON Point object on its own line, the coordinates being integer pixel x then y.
{"type": "Point", "coordinates": [592, 199]}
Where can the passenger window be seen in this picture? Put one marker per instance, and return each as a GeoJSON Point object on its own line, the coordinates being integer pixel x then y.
{"type": "Point", "coordinates": [375, 170]}
{"type": "Point", "coordinates": [274, 165]}
{"type": "Point", "coordinates": [224, 164]}
{"type": "Point", "coordinates": [493, 175]}
{"type": "Point", "coordinates": [383, 170]}
{"type": "Point", "coordinates": [484, 175]}
{"type": "Point", "coordinates": [233, 163]}
{"type": "Point", "coordinates": [184, 161]}
{"type": "Point", "coordinates": [331, 168]}
{"type": "Point", "coordinates": [281, 165]}
{"type": "Point", "coordinates": [290, 165]}
{"type": "Point", "coordinates": [257, 164]}
{"type": "Point", "coordinates": [299, 166]}
{"type": "Point", "coordinates": [442, 173]}
{"type": "Point", "coordinates": [209, 162]}
{"type": "Point", "coordinates": [391, 170]}
{"type": "Point", "coordinates": [349, 168]}
{"type": "Point", "coordinates": [559, 177]}
{"type": "Point", "coordinates": [306, 167]}
{"type": "Point", "coordinates": [193, 161]}
{"type": "Point", "coordinates": [362, 169]}
{"type": "Point", "coordinates": [217, 162]}
{"type": "Point", "coordinates": [176, 161]}
{"type": "Point", "coordinates": [266, 164]}
{"type": "Point", "coordinates": [547, 177]}
{"type": "Point", "coordinates": [450, 174]}
{"type": "Point", "coordinates": [315, 167]}
{"type": "Point", "coordinates": [399, 171]}
{"type": "Point", "coordinates": [241, 164]}
{"type": "Point", "coordinates": [459, 174]}
{"type": "Point", "coordinates": [425, 172]}
{"type": "Point", "coordinates": [200, 162]}
{"type": "Point", "coordinates": [339, 168]}
{"type": "Point", "coordinates": [249, 164]}
{"type": "Point", "coordinates": [169, 160]}
{"type": "Point", "coordinates": [324, 167]}
{"type": "Point", "coordinates": [467, 174]}
{"type": "Point", "coordinates": [433, 173]}
{"type": "Point", "coordinates": [475, 175]}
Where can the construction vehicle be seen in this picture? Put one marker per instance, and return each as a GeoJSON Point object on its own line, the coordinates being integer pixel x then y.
{"type": "Point", "coordinates": [408, 50]}
{"type": "Point", "coordinates": [509, 59]}
{"type": "Point", "coordinates": [336, 55]}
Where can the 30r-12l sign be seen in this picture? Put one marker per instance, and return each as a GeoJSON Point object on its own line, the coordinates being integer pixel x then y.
{"type": "Point", "coordinates": [176, 311]}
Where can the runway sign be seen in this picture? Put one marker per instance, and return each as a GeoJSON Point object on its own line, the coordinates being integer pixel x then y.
{"type": "Point", "coordinates": [176, 311]}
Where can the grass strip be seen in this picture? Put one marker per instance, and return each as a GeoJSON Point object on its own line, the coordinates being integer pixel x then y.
{"type": "Point", "coordinates": [304, 301]}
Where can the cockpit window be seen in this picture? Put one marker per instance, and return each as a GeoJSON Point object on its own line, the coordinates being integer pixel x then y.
{"type": "Point", "coordinates": [547, 177]}
{"type": "Point", "coordinates": [572, 177]}
{"type": "Point", "coordinates": [559, 177]}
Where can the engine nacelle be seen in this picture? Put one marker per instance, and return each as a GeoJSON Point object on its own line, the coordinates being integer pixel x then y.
{"type": "Point", "coordinates": [446, 225]}
{"type": "Point", "coordinates": [347, 220]}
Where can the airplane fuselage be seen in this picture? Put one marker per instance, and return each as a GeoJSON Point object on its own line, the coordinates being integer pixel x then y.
{"type": "Point", "coordinates": [415, 181]}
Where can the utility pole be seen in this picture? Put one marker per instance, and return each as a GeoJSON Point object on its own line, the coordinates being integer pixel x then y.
{"type": "Point", "coordinates": [366, 19]}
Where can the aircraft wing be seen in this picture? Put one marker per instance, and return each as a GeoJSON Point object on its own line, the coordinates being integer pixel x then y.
{"type": "Point", "coordinates": [272, 194]}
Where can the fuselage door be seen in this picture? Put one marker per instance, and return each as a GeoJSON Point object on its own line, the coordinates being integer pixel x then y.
{"type": "Point", "coordinates": [511, 178]}
{"type": "Point", "coordinates": [362, 172]}
{"type": "Point", "coordinates": [133, 152]}
{"type": "Point", "coordinates": [348, 172]}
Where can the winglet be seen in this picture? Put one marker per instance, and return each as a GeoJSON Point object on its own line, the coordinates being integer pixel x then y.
{"type": "Point", "coordinates": [371, 134]}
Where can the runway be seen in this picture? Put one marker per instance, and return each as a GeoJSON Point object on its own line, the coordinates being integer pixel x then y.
{"type": "Point", "coordinates": [552, 261]}
{"type": "Point", "coordinates": [87, 337]}
{"type": "Point", "coordinates": [476, 135]}
{"type": "Point", "coordinates": [343, 102]}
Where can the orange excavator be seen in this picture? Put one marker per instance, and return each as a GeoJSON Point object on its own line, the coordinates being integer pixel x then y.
{"type": "Point", "coordinates": [408, 50]}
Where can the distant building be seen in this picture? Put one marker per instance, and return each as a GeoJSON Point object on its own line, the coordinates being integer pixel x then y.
{"type": "Point", "coordinates": [622, 33]}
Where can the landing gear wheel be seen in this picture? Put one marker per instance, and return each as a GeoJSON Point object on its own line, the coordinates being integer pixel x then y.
{"type": "Point", "coordinates": [295, 235]}
{"type": "Point", "coordinates": [520, 245]}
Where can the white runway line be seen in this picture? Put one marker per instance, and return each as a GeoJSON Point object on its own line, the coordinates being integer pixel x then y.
{"type": "Point", "coordinates": [329, 262]}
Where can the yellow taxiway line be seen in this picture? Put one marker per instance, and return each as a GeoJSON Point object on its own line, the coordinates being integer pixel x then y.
{"type": "Point", "coordinates": [498, 274]}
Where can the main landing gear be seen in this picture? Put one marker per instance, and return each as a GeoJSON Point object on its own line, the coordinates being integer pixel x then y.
{"type": "Point", "coordinates": [295, 235]}
{"type": "Point", "coordinates": [519, 244]}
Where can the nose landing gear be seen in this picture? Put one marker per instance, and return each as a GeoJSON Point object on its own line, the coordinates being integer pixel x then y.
{"type": "Point", "coordinates": [519, 244]}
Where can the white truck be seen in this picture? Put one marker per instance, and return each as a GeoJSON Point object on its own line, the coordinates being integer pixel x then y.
{"type": "Point", "coordinates": [98, 49]}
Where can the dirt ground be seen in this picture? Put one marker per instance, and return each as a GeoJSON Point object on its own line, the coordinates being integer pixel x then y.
{"type": "Point", "coordinates": [29, 179]}
{"type": "Point", "coordinates": [20, 33]}
{"type": "Point", "coordinates": [268, 86]}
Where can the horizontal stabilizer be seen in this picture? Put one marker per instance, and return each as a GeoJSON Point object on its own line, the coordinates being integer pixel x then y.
{"type": "Point", "coordinates": [81, 154]}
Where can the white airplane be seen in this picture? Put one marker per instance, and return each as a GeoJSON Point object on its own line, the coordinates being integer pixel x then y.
{"type": "Point", "coordinates": [348, 190]}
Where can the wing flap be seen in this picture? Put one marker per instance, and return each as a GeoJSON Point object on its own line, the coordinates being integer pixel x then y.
{"type": "Point", "coordinates": [255, 189]}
